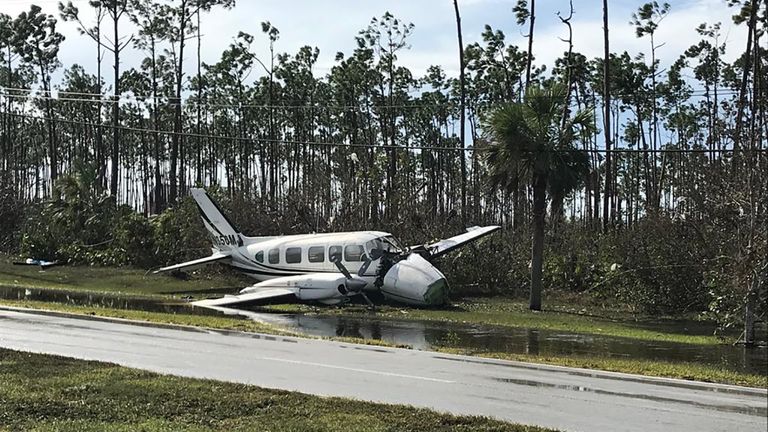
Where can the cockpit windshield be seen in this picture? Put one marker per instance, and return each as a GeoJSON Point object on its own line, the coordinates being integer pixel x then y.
{"type": "Point", "coordinates": [383, 244]}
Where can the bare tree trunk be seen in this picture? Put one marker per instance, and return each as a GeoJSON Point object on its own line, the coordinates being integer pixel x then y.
{"type": "Point", "coordinates": [463, 115]}
{"type": "Point", "coordinates": [176, 140]}
{"type": "Point", "coordinates": [198, 143]}
{"type": "Point", "coordinates": [537, 249]}
{"type": "Point", "coordinates": [114, 172]}
{"type": "Point", "coordinates": [745, 75]}
{"type": "Point", "coordinates": [607, 119]}
{"type": "Point", "coordinates": [530, 45]}
{"type": "Point", "coordinates": [52, 147]}
{"type": "Point", "coordinates": [101, 166]}
{"type": "Point", "coordinates": [158, 199]}
{"type": "Point", "coordinates": [568, 68]}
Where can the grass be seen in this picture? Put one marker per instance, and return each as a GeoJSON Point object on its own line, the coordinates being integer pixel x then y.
{"type": "Point", "coordinates": [215, 322]}
{"type": "Point", "coordinates": [50, 393]}
{"type": "Point", "coordinates": [512, 313]}
{"type": "Point", "coordinates": [113, 280]}
{"type": "Point", "coordinates": [678, 370]}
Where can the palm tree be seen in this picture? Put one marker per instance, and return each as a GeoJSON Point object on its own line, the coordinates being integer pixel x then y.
{"type": "Point", "coordinates": [529, 142]}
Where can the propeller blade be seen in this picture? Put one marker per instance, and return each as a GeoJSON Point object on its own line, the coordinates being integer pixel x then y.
{"type": "Point", "coordinates": [367, 300]}
{"type": "Point", "coordinates": [341, 267]}
{"type": "Point", "coordinates": [364, 268]}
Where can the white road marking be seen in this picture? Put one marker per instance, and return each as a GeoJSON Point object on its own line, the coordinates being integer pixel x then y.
{"type": "Point", "coordinates": [299, 362]}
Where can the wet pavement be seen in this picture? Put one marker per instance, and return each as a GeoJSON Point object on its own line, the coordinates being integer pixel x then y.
{"type": "Point", "coordinates": [427, 335]}
{"type": "Point", "coordinates": [563, 398]}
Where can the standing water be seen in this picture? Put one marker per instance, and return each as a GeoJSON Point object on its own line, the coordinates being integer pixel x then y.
{"type": "Point", "coordinates": [425, 335]}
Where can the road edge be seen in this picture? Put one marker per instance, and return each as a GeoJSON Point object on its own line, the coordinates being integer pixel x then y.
{"type": "Point", "coordinates": [594, 373]}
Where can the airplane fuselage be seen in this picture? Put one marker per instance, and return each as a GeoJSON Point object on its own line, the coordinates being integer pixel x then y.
{"type": "Point", "coordinates": [265, 258]}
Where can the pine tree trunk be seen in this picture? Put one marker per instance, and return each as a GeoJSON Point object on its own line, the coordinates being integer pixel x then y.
{"type": "Point", "coordinates": [114, 171]}
{"type": "Point", "coordinates": [537, 249]}
{"type": "Point", "coordinates": [530, 44]}
{"type": "Point", "coordinates": [744, 76]}
{"type": "Point", "coordinates": [462, 113]}
{"type": "Point", "coordinates": [607, 217]}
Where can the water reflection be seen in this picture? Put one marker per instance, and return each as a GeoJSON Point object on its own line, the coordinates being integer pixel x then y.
{"type": "Point", "coordinates": [486, 338]}
{"type": "Point", "coordinates": [106, 300]}
{"type": "Point", "coordinates": [430, 334]}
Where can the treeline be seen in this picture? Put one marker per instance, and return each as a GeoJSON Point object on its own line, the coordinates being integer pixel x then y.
{"type": "Point", "coordinates": [669, 216]}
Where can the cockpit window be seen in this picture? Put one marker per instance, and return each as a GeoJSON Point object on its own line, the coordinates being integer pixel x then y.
{"type": "Point", "coordinates": [260, 256]}
{"type": "Point", "coordinates": [354, 253]}
{"type": "Point", "coordinates": [385, 244]}
{"type": "Point", "coordinates": [395, 244]}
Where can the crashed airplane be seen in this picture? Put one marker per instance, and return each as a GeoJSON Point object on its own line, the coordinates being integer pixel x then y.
{"type": "Point", "coordinates": [327, 268]}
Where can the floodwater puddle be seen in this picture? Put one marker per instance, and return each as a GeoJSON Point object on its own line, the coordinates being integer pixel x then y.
{"type": "Point", "coordinates": [105, 300]}
{"type": "Point", "coordinates": [427, 335]}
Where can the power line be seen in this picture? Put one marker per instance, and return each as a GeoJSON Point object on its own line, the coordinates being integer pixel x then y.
{"type": "Point", "coordinates": [374, 146]}
{"type": "Point", "coordinates": [703, 91]}
{"type": "Point", "coordinates": [168, 100]}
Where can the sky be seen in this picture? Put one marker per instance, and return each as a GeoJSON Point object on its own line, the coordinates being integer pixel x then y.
{"type": "Point", "coordinates": [331, 25]}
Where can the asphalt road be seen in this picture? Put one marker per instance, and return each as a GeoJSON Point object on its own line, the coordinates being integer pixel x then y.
{"type": "Point", "coordinates": [564, 398]}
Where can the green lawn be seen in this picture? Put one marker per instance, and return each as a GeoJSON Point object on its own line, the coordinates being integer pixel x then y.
{"type": "Point", "coordinates": [49, 393]}
{"type": "Point", "coordinates": [212, 321]}
{"type": "Point", "coordinates": [115, 280]}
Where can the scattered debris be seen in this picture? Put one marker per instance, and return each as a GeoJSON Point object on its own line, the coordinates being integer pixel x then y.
{"type": "Point", "coordinates": [37, 262]}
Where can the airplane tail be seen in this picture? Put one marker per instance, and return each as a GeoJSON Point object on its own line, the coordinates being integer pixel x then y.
{"type": "Point", "coordinates": [223, 233]}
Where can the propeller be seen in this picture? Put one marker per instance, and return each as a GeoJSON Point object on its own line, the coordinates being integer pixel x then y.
{"type": "Point", "coordinates": [353, 285]}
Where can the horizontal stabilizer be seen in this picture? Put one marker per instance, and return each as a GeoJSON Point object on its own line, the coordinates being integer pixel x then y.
{"type": "Point", "coordinates": [219, 256]}
{"type": "Point", "coordinates": [444, 246]}
{"type": "Point", "coordinates": [230, 300]}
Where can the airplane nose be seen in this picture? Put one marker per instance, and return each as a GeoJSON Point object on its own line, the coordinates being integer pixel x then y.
{"type": "Point", "coordinates": [416, 281]}
{"type": "Point", "coordinates": [436, 292]}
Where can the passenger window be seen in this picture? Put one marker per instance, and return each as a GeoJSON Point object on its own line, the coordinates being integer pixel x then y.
{"type": "Point", "coordinates": [334, 253]}
{"type": "Point", "coordinates": [353, 253]}
{"type": "Point", "coordinates": [274, 256]}
{"type": "Point", "coordinates": [293, 255]}
{"type": "Point", "coordinates": [316, 254]}
{"type": "Point", "coordinates": [260, 256]}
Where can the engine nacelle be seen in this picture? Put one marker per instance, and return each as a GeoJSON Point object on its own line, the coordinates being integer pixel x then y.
{"type": "Point", "coordinates": [416, 281]}
{"type": "Point", "coordinates": [328, 288]}
{"type": "Point", "coordinates": [322, 287]}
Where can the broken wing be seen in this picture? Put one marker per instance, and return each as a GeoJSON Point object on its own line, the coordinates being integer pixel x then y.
{"type": "Point", "coordinates": [444, 246]}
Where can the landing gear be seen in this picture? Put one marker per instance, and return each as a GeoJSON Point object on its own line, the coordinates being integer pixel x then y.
{"type": "Point", "coordinates": [371, 306]}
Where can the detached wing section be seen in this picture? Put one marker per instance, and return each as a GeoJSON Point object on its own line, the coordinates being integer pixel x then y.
{"type": "Point", "coordinates": [262, 294]}
{"type": "Point", "coordinates": [444, 246]}
{"type": "Point", "coordinates": [218, 256]}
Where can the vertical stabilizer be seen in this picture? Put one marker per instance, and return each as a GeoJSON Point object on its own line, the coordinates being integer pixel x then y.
{"type": "Point", "coordinates": [223, 233]}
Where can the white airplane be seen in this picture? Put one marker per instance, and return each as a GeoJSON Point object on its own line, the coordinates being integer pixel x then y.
{"type": "Point", "coordinates": [327, 268]}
